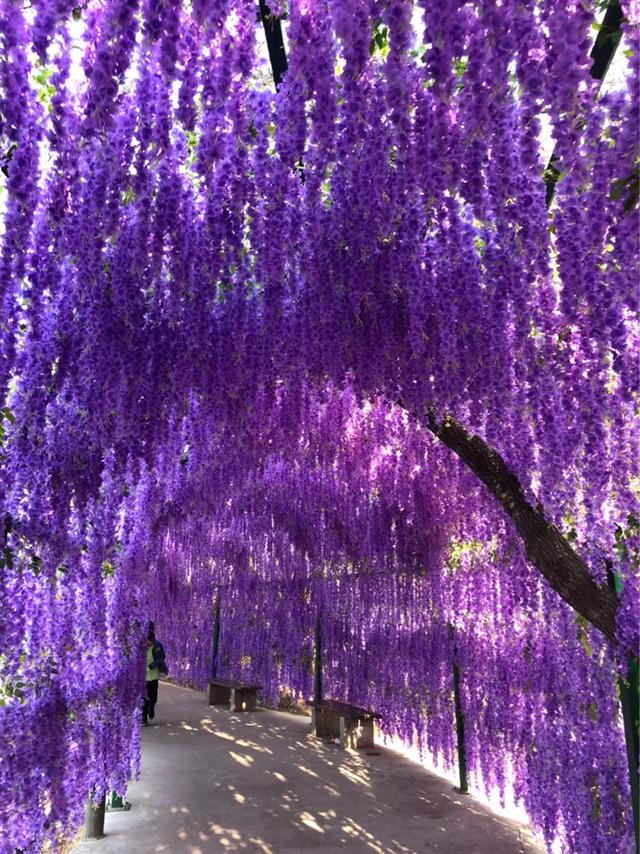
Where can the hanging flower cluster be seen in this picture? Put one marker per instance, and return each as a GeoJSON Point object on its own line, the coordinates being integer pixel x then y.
{"type": "Point", "coordinates": [365, 530]}
{"type": "Point", "coordinates": [226, 317]}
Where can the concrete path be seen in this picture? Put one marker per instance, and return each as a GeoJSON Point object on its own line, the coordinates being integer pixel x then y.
{"type": "Point", "coordinates": [215, 781]}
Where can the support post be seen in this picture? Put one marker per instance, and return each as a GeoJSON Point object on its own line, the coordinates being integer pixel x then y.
{"type": "Point", "coordinates": [629, 689]}
{"type": "Point", "coordinates": [317, 668]}
{"type": "Point", "coordinates": [463, 789]}
{"type": "Point", "coordinates": [275, 42]}
{"type": "Point", "coordinates": [216, 640]}
{"type": "Point", "coordinates": [94, 819]}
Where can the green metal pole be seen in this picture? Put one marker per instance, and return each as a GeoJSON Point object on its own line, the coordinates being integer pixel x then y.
{"type": "Point", "coordinates": [216, 640]}
{"type": "Point", "coordinates": [317, 669]}
{"type": "Point", "coordinates": [116, 803]}
{"type": "Point", "coordinates": [463, 789]}
{"type": "Point", "coordinates": [629, 689]}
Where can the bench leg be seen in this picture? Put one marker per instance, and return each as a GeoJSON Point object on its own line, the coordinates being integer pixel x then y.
{"type": "Point", "coordinates": [364, 734]}
{"type": "Point", "coordinates": [218, 695]}
{"type": "Point", "coordinates": [355, 734]}
{"type": "Point", "coordinates": [242, 700]}
{"type": "Point", "coordinates": [345, 733]}
{"type": "Point", "coordinates": [326, 724]}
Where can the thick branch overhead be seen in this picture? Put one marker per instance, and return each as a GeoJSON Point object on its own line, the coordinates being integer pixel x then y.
{"type": "Point", "coordinates": [546, 547]}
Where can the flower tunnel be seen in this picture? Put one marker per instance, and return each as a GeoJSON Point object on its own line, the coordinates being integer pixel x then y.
{"type": "Point", "coordinates": [334, 370]}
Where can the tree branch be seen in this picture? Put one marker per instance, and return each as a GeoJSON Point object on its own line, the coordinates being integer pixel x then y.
{"type": "Point", "coordinates": [546, 547]}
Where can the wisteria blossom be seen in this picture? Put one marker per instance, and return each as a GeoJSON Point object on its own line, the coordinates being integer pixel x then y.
{"type": "Point", "coordinates": [237, 322]}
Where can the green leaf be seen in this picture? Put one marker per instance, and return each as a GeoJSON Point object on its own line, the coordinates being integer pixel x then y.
{"type": "Point", "coordinates": [379, 45]}
{"type": "Point", "coordinates": [629, 187]}
{"type": "Point", "coordinates": [460, 66]}
{"type": "Point", "coordinates": [128, 196]}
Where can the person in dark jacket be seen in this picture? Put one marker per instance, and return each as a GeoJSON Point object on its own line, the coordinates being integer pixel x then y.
{"type": "Point", "coordinates": [156, 665]}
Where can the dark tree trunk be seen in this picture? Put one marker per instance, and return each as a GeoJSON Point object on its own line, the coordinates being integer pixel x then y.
{"type": "Point", "coordinates": [546, 547]}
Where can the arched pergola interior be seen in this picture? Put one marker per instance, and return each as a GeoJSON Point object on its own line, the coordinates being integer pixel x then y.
{"type": "Point", "coordinates": [345, 366]}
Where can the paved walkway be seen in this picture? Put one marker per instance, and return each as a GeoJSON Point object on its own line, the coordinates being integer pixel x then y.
{"type": "Point", "coordinates": [215, 781]}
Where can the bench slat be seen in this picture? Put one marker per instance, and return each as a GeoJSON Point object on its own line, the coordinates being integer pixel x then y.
{"type": "Point", "coordinates": [343, 709]}
{"type": "Point", "coordinates": [238, 686]}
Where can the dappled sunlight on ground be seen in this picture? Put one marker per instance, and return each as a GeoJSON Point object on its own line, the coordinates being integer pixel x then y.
{"type": "Point", "coordinates": [259, 781]}
{"type": "Point", "coordinates": [507, 807]}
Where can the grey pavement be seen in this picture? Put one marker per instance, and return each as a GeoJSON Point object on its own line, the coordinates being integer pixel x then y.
{"type": "Point", "coordinates": [258, 781]}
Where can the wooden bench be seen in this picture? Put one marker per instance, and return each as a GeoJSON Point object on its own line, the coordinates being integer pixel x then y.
{"type": "Point", "coordinates": [352, 725]}
{"type": "Point", "coordinates": [239, 696]}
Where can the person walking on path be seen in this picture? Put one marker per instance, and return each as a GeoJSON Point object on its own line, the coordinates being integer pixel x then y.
{"type": "Point", "coordinates": [156, 665]}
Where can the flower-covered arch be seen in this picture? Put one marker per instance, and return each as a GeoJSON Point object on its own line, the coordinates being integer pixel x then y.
{"type": "Point", "coordinates": [322, 349]}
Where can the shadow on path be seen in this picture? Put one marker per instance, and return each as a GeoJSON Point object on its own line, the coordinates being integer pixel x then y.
{"type": "Point", "coordinates": [215, 781]}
